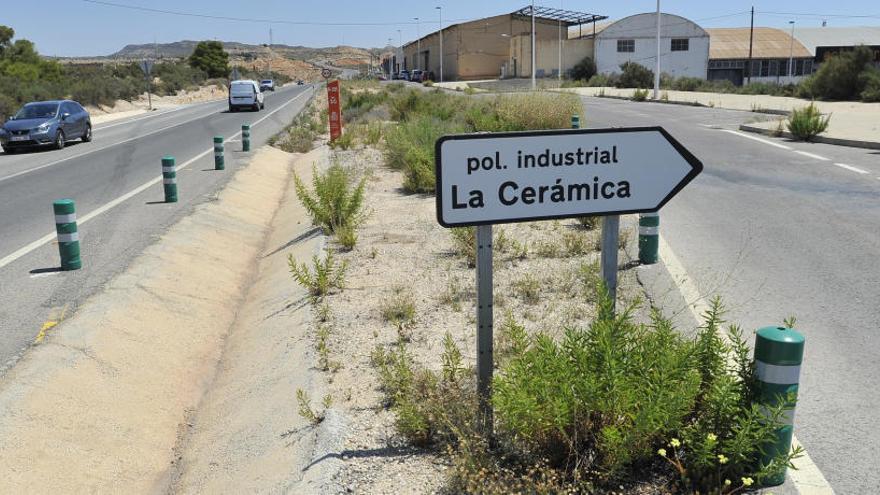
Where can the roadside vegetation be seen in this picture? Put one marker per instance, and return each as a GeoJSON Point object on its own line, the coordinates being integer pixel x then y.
{"type": "Point", "coordinates": [806, 123]}
{"type": "Point", "coordinates": [850, 75]}
{"type": "Point", "coordinates": [26, 76]}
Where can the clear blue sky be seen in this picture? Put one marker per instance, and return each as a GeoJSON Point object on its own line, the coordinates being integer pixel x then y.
{"type": "Point", "coordinates": [79, 28]}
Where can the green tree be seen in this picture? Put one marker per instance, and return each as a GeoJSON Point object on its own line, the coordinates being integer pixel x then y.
{"type": "Point", "coordinates": [6, 35]}
{"type": "Point", "coordinates": [635, 75]}
{"type": "Point", "coordinates": [838, 76]}
{"type": "Point", "coordinates": [584, 70]}
{"type": "Point", "coordinates": [210, 57]}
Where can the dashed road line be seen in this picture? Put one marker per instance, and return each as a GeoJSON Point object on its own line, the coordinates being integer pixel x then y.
{"type": "Point", "coordinates": [811, 155]}
{"type": "Point", "coordinates": [754, 138]}
{"type": "Point", "coordinates": [134, 192]}
{"type": "Point", "coordinates": [851, 168]}
{"type": "Point", "coordinates": [806, 477]}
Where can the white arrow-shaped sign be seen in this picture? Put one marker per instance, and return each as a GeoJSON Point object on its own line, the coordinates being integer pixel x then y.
{"type": "Point", "coordinates": [521, 176]}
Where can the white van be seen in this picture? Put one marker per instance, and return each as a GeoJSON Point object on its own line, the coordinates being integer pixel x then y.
{"type": "Point", "coordinates": [245, 94]}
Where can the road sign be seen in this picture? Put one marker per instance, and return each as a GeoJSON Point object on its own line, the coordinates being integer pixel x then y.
{"type": "Point", "coordinates": [146, 67]}
{"type": "Point", "coordinates": [335, 115]}
{"type": "Point", "coordinates": [520, 176]}
{"type": "Point", "coordinates": [326, 73]}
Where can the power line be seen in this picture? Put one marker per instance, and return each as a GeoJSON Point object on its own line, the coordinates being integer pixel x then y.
{"type": "Point", "coordinates": [839, 16]}
{"type": "Point", "coordinates": [251, 19]}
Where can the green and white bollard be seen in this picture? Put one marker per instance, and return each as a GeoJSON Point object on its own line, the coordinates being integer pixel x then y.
{"type": "Point", "coordinates": [649, 237]}
{"type": "Point", "coordinates": [68, 235]}
{"type": "Point", "coordinates": [575, 122]}
{"type": "Point", "coordinates": [778, 355]}
{"type": "Point", "coordinates": [169, 179]}
{"type": "Point", "coordinates": [245, 137]}
{"type": "Point", "coordinates": [219, 164]}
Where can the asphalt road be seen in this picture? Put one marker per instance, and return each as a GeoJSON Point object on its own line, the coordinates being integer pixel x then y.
{"type": "Point", "coordinates": [120, 212]}
{"type": "Point", "coordinates": [780, 228]}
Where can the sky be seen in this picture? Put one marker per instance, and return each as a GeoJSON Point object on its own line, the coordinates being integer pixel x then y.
{"type": "Point", "coordinates": [92, 27]}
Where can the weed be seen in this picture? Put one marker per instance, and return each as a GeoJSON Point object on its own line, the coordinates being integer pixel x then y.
{"type": "Point", "coordinates": [323, 347]}
{"type": "Point", "coordinates": [337, 200]}
{"type": "Point", "coordinates": [347, 236]}
{"type": "Point", "coordinates": [469, 91]}
{"type": "Point", "coordinates": [547, 248]}
{"type": "Point", "coordinates": [575, 243]}
{"type": "Point", "coordinates": [464, 242]}
{"type": "Point", "coordinates": [324, 275]}
{"type": "Point", "coordinates": [305, 408]}
{"type": "Point", "coordinates": [589, 223]}
{"type": "Point", "coordinates": [399, 308]}
{"type": "Point", "coordinates": [501, 243]}
{"type": "Point", "coordinates": [528, 289]}
{"type": "Point", "coordinates": [454, 294]}
{"type": "Point", "coordinates": [344, 141]}
{"type": "Point", "coordinates": [806, 123]}
{"type": "Point", "coordinates": [640, 95]}
{"type": "Point", "coordinates": [324, 313]}
{"type": "Point", "coordinates": [512, 339]}
{"type": "Point", "coordinates": [779, 131]}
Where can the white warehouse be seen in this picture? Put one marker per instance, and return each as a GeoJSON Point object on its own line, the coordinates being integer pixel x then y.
{"type": "Point", "coordinates": [684, 45]}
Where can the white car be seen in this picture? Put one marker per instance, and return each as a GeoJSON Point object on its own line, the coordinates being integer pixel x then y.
{"type": "Point", "coordinates": [245, 93]}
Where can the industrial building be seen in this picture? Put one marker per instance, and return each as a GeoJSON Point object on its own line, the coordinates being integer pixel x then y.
{"type": "Point", "coordinates": [770, 53]}
{"type": "Point", "coordinates": [500, 46]}
{"type": "Point", "coordinates": [684, 46]}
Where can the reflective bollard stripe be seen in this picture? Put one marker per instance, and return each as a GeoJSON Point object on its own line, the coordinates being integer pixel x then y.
{"type": "Point", "coordinates": [169, 179]}
{"type": "Point", "coordinates": [68, 234]}
{"type": "Point", "coordinates": [575, 122]}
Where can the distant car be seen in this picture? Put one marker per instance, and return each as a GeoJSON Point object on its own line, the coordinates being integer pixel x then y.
{"type": "Point", "coordinates": [415, 75]}
{"type": "Point", "coordinates": [404, 75]}
{"type": "Point", "coordinates": [245, 93]}
{"type": "Point", "coordinates": [300, 82]}
{"type": "Point", "coordinates": [267, 85]}
{"type": "Point", "coordinates": [46, 123]}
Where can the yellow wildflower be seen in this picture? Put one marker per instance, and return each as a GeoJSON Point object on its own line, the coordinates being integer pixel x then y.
{"type": "Point", "coordinates": [747, 481]}
{"type": "Point", "coordinates": [722, 459]}
{"type": "Point", "coordinates": [675, 442]}
{"type": "Point", "coordinates": [662, 452]}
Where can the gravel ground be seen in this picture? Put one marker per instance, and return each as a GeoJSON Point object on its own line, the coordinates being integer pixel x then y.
{"type": "Point", "coordinates": [402, 248]}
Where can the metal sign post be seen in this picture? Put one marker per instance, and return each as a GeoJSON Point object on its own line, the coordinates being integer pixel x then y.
{"type": "Point", "coordinates": [485, 323]}
{"type": "Point", "coordinates": [147, 68]}
{"type": "Point", "coordinates": [484, 179]}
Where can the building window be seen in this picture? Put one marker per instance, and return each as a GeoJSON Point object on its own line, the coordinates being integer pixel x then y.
{"type": "Point", "coordinates": [680, 44]}
{"type": "Point", "coordinates": [626, 46]}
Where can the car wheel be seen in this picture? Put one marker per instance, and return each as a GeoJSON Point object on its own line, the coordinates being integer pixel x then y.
{"type": "Point", "coordinates": [256, 107]}
{"type": "Point", "coordinates": [9, 151]}
{"type": "Point", "coordinates": [262, 105]}
{"type": "Point", "coordinates": [87, 134]}
{"type": "Point", "coordinates": [59, 140]}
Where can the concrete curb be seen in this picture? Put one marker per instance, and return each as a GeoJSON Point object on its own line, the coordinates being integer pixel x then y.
{"type": "Point", "coordinates": [853, 143]}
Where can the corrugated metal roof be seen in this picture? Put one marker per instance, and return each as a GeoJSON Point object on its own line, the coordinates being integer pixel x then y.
{"type": "Point", "coordinates": [733, 43]}
{"type": "Point", "coordinates": [837, 36]}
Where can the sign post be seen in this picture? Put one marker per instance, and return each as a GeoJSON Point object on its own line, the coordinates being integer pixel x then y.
{"type": "Point", "coordinates": [486, 179]}
{"type": "Point", "coordinates": [147, 68]}
{"type": "Point", "coordinates": [335, 114]}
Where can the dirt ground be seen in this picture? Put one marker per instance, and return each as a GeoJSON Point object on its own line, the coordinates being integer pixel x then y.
{"type": "Point", "coordinates": [122, 109]}
{"type": "Point", "coordinates": [402, 248]}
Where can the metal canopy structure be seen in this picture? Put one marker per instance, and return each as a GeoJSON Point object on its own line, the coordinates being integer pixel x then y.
{"type": "Point", "coordinates": [569, 17]}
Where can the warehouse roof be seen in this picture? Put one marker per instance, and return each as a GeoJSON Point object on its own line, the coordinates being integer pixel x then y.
{"type": "Point", "coordinates": [837, 36]}
{"type": "Point", "coordinates": [733, 43]}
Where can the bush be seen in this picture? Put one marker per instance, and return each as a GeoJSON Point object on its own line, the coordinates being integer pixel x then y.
{"type": "Point", "coordinates": [584, 70]}
{"type": "Point", "coordinates": [337, 200]}
{"type": "Point", "coordinates": [464, 242]}
{"type": "Point", "coordinates": [640, 95]}
{"type": "Point", "coordinates": [409, 147]}
{"type": "Point", "coordinates": [838, 78]}
{"type": "Point", "coordinates": [686, 84]}
{"type": "Point", "coordinates": [324, 275]}
{"type": "Point", "coordinates": [806, 123]}
{"type": "Point", "coordinates": [634, 75]}
{"type": "Point", "coordinates": [603, 80]}
{"type": "Point", "coordinates": [871, 82]}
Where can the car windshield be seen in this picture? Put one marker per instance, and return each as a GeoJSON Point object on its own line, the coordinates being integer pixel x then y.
{"type": "Point", "coordinates": [38, 111]}
{"type": "Point", "coordinates": [267, 81]}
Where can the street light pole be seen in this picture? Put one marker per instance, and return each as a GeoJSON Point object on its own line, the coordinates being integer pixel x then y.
{"type": "Point", "coordinates": [560, 43]}
{"type": "Point", "coordinates": [534, 85]}
{"type": "Point", "coordinates": [441, 42]}
{"type": "Point", "coordinates": [418, 45]}
{"type": "Point", "coordinates": [791, 55]}
{"type": "Point", "coordinates": [400, 50]}
{"type": "Point", "coordinates": [657, 68]}
{"type": "Point", "coordinates": [391, 60]}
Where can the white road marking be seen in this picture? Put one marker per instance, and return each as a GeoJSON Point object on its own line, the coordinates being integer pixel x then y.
{"type": "Point", "coordinates": [806, 478]}
{"type": "Point", "coordinates": [851, 168]}
{"type": "Point", "coordinates": [753, 138]}
{"type": "Point", "coordinates": [811, 155]}
{"type": "Point", "coordinates": [116, 202]}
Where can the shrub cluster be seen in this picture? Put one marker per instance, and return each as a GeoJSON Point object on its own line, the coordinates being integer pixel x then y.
{"type": "Point", "coordinates": [806, 123]}
{"type": "Point", "coordinates": [601, 406]}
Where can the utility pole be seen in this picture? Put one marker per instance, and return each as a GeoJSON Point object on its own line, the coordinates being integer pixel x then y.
{"type": "Point", "coordinates": [400, 51]}
{"type": "Point", "coordinates": [391, 60]}
{"type": "Point", "coordinates": [270, 51]}
{"type": "Point", "coordinates": [560, 43]}
{"type": "Point", "coordinates": [657, 68]}
{"type": "Point", "coordinates": [791, 55]}
{"type": "Point", "coordinates": [534, 85]}
{"type": "Point", "coordinates": [441, 42]}
{"type": "Point", "coordinates": [418, 45]}
{"type": "Point", "coordinates": [751, 42]}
